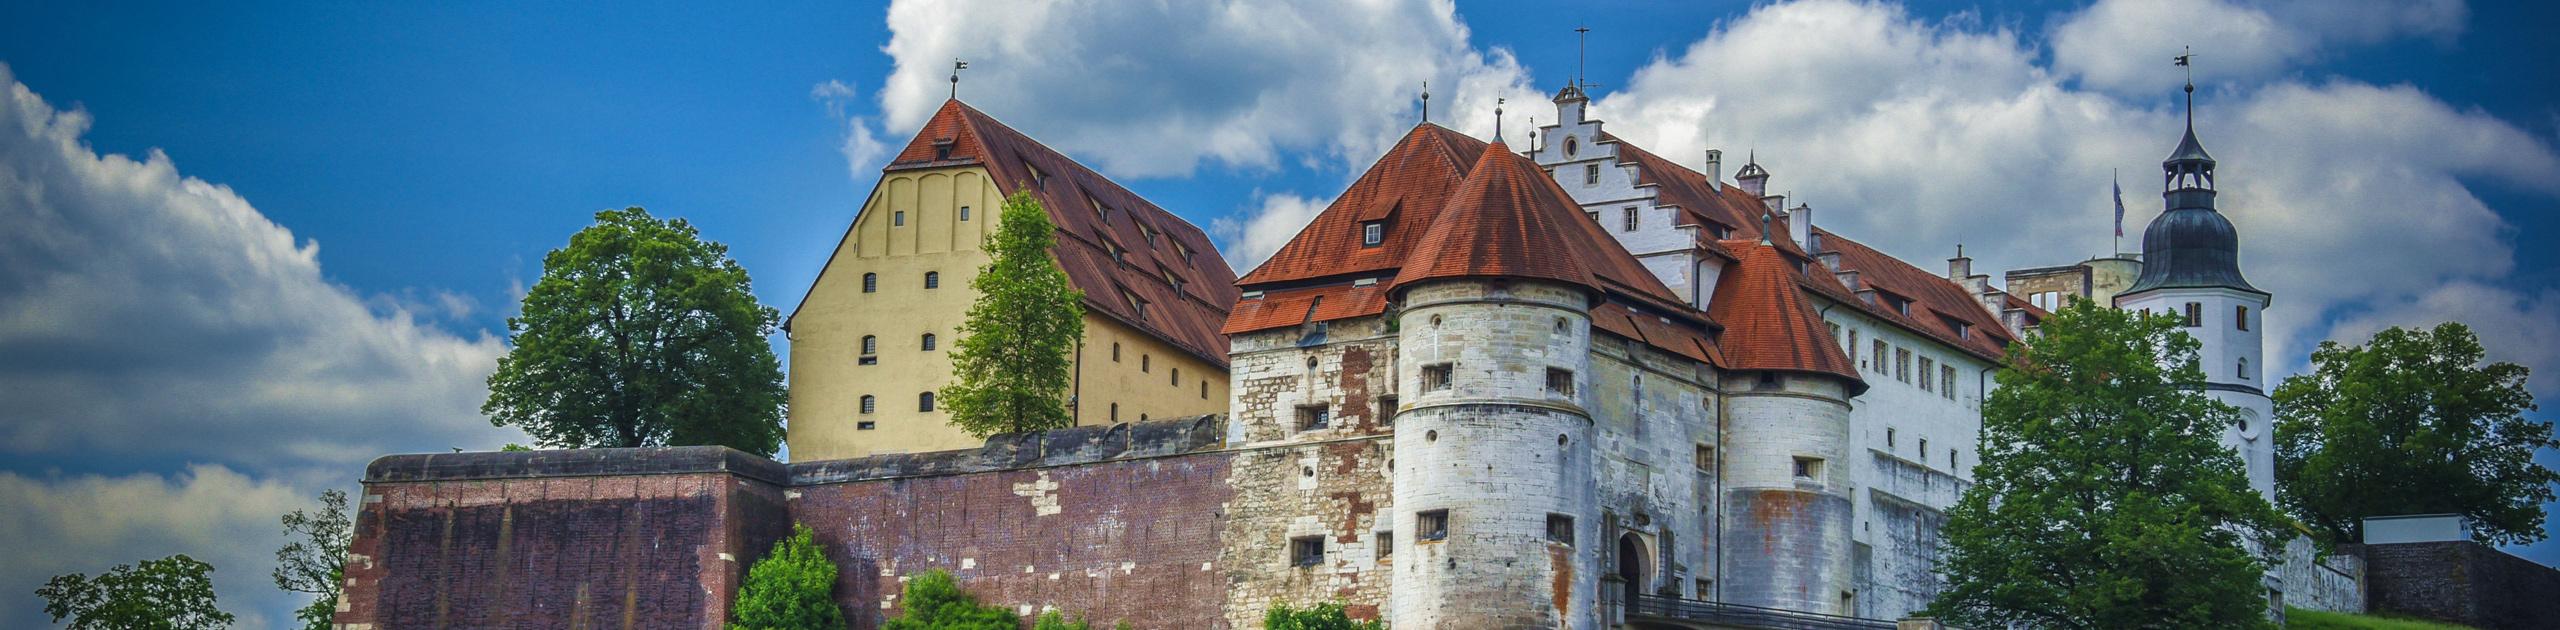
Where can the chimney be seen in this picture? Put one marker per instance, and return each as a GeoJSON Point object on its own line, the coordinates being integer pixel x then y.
{"type": "Point", "coordinates": [1775, 204]}
{"type": "Point", "coordinates": [1800, 226]}
{"type": "Point", "coordinates": [1715, 165]}
{"type": "Point", "coordinates": [1959, 267]}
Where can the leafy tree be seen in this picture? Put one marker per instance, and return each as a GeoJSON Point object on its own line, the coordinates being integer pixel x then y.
{"type": "Point", "coordinates": [1323, 616]}
{"type": "Point", "coordinates": [933, 601]}
{"type": "Point", "coordinates": [1012, 361]}
{"type": "Point", "coordinates": [1054, 620]}
{"type": "Point", "coordinates": [791, 589]}
{"type": "Point", "coordinates": [2104, 498]}
{"type": "Point", "coordinates": [172, 593]}
{"type": "Point", "coordinates": [2411, 423]}
{"type": "Point", "coordinates": [641, 333]}
{"type": "Point", "coordinates": [315, 562]}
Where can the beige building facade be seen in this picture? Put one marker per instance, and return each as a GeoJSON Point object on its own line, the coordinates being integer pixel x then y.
{"type": "Point", "coordinates": [871, 343]}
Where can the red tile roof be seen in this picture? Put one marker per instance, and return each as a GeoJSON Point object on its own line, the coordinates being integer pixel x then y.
{"type": "Point", "coordinates": [1937, 304]}
{"type": "Point", "coordinates": [1501, 222]}
{"type": "Point", "coordinates": [1702, 202]}
{"type": "Point", "coordinates": [1404, 189]}
{"type": "Point", "coordinates": [1095, 216]}
{"type": "Point", "coordinates": [1768, 323]}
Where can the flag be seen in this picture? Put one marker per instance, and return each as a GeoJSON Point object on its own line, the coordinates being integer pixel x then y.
{"type": "Point", "coordinates": [2119, 208]}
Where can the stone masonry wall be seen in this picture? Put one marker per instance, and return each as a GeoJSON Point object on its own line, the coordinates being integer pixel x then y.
{"type": "Point", "coordinates": [1294, 482]}
{"type": "Point", "coordinates": [2460, 582]}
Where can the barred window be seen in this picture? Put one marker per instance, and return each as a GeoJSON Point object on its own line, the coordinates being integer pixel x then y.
{"type": "Point", "coordinates": [1312, 417]}
{"type": "Point", "coordinates": [867, 405]}
{"type": "Point", "coordinates": [1435, 377]}
{"type": "Point", "coordinates": [1306, 551]}
{"type": "Point", "coordinates": [1925, 381]}
{"type": "Point", "coordinates": [1560, 529]}
{"type": "Point", "coordinates": [1431, 526]}
{"type": "Point", "coordinates": [932, 279]}
{"type": "Point", "coordinates": [1947, 382]}
{"type": "Point", "coordinates": [870, 283]}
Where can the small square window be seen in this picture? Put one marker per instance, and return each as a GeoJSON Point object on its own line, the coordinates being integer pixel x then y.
{"type": "Point", "coordinates": [924, 401]}
{"type": "Point", "coordinates": [1306, 551]}
{"type": "Point", "coordinates": [867, 361]}
{"type": "Point", "coordinates": [1706, 457]}
{"type": "Point", "coordinates": [1631, 221]}
{"type": "Point", "coordinates": [1372, 234]}
{"type": "Point", "coordinates": [868, 404]}
{"type": "Point", "coordinates": [2195, 314]}
{"type": "Point", "coordinates": [1926, 366]}
{"type": "Point", "coordinates": [1560, 529]}
{"type": "Point", "coordinates": [898, 218]}
{"type": "Point", "coordinates": [964, 213]}
{"type": "Point", "coordinates": [866, 425]}
{"type": "Point", "coordinates": [932, 279]}
{"type": "Point", "coordinates": [870, 283]}
{"type": "Point", "coordinates": [1809, 468]}
{"type": "Point", "coordinates": [1560, 381]}
{"type": "Point", "coordinates": [1435, 377]}
{"type": "Point", "coordinates": [1431, 526]}
{"type": "Point", "coordinates": [1312, 417]}
{"type": "Point", "coordinates": [1387, 411]}
{"type": "Point", "coordinates": [1590, 174]}
{"type": "Point", "coordinates": [1386, 542]}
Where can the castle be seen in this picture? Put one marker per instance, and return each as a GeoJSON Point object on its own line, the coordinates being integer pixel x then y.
{"type": "Point", "coordinates": [1571, 384]}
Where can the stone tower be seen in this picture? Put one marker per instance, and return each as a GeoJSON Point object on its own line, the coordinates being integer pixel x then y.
{"type": "Point", "coordinates": [1493, 469]}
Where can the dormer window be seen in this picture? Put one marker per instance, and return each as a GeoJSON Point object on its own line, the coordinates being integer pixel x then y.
{"type": "Point", "coordinates": [1113, 249]}
{"type": "Point", "coordinates": [1039, 179]}
{"type": "Point", "coordinates": [1184, 251]}
{"type": "Point", "coordinates": [1099, 210]}
{"type": "Point", "coordinates": [1148, 232]}
{"type": "Point", "coordinates": [1135, 303]}
{"type": "Point", "coordinates": [1373, 234]}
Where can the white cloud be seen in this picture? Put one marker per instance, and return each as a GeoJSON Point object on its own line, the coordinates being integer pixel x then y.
{"type": "Point", "coordinates": [89, 523]}
{"type": "Point", "coordinates": [1263, 230]}
{"type": "Point", "coordinates": [1915, 136]}
{"type": "Point", "coordinates": [2513, 327]}
{"type": "Point", "coordinates": [1157, 89]}
{"type": "Point", "coordinates": [863, 150]}
{"type": "Point", "coordinates": [2125, 45]}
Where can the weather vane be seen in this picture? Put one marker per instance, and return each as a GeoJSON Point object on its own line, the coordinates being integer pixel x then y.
{"type": "Point", "coordinates": [2183, 62]}
{"type": "Point", "coordinates": [1426, 100]}
{"type": "Point", "coordinates": [956, 66]}
{"type": "Point", "coordinates": [1497, 119]}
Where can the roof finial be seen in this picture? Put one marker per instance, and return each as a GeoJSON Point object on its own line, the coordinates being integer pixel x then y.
{"type": "Point", "coordinates": [1533, 133]}
{"type": "Point", "coordinates": [956, 66]}
{"type": "Point", "coordinates": [2191, 85]}
{"type": "Point", "coordinates": [1765, 217]}
{"type": "Point", "coordinates": [1426, 100]}
{"type": "Point", "coordinates": [1582, 37]}
{"type": "Point", "coordinates": [1497, 119]}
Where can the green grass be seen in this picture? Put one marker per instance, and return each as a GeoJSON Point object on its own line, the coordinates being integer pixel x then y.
{"type": "Point", "coordinates": [2299, 619]}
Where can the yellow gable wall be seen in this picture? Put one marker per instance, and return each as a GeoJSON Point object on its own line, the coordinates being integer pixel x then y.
{"type": "Point", "coordinates": [828, 379]}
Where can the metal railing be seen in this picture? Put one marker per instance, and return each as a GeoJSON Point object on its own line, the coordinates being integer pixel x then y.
{"type": "Point", "coordinates": [1662, 607]}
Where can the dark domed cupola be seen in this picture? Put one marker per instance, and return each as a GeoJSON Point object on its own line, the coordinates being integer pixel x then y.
{"type": "Point", "coordinates": [2190, 244]}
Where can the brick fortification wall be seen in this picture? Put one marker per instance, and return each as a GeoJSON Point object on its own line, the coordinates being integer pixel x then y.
{"type": "Point", "coordinates": [2460, 582]}
{"type": "Point", "coordinates": [606, 538]}
{"type": "Point", "coordinates": [1117, 522]}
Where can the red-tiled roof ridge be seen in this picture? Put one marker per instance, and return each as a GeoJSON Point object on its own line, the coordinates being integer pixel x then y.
{"type": "Point", "coordinates": [1189, 319]}
{"type": "Point", "coordinates": [1928, 292]}
{"type": "Point", "coordinates": [1404, 188]}
{"type": "Point", "coordinates": [1509, 219]}
{"type": "Point", "coordinates": [1768, 324]}
{"type": "Point", "coordinates": [1700, 200]}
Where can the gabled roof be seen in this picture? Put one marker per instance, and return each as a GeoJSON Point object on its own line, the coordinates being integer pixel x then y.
{"type": "Point", "coordinates": [1702, 202]}
{"type": "Point", "coordinates": [1094, 216]}
{"type": "Point", "coordinates": [1768, 323]}
{"type": "Point", "coordinates": [1403, 191]}
{"type": "Point", "coordinates": [1937, 304]}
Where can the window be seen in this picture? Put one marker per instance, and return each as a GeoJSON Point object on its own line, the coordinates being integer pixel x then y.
{"type": "Point", "coordinates": [2240, 317]}
{"type": "Point", "coordinates": [1372, 234]}
{"type": "Point", "coordinates": [1706, 456]}
{"type": "Point", "coordinates": [870, 350]}
{"type": "Point", "coordinates": [1879, 356]}
{"type": "Point", "coordinates": [1888, 438]}
{"type": "Point", "coordinates": [1306, 551]}
{"type": "Point", "coordinates": [866, 404]}
{"type": "Point", "coordinates": [1387, 411]}
{"type": "Point", "coordinates": [898, 218]}
{"type": "Point", "coordinates": [1204, 390]}
{"type": "Point", "coordinates": [1594, 214]}
{"type": "Point", "coordinates": [1149, 232]}
{"type": "Point", "coordinates": [1571, 146]}
{"type": "Point", "coordinates": [1852, 348]}
{"type": "Point", "coordinates": [1146, 361]}
{"type": "Point", "coordinates": [1560, 529]}
{"type": "Point", "coordinates": [870, 283]}
{"type": "Point", "coordinates": [1175, 378]}
{"type": "Point", "coordinates": [964, 213]}
{"type": "Point", "coordinates": [2195, 314]}
{"type": "Point", "coordinates": [1135, 303]}
{"type": "Point", "coordinates": [924, 401]}
{"type": "Point", "coordinates": [1115, 412]}
{"type": "Point", "coordinates": [1560, 381]}
{"type": "Point", "coordinates": [1431, 526]}
{"type": "Point", "coordinates": [928, 341]}
{"type": "Point", "coordinates": [2244, 368]}
{"type": "Point", "coordinates": [1951, 459]}
{"type": "Point", "coordinates": [1435, 377]}
{"type": "Point", "coordinates": [1902, 364]}
{"type": "Point", "coordinates": [1926, 384]}
{"type": "Point", "coordinates": [1631, 220]}
{"type": "Point", "coordinates": [1924, 448]}
{"type": "Point", "coordinates": [1947, 381]}
{"type": "Point", "coordinates": [1590, 175]}
{"type": "Point", "coordinates": [1115, 352]}
{"type": "Point", "coordinates": [932, 279]}
{"type": "Point", "coordinates": [1113, 249]}
{"type": "Point", "coordinates": [1809, 468]}
{"type": "Point", "coordinates": [1386, 542]}
{"type": "Point", "coordinates": [1312, 417]}
{"type": "Point", "coordinates": [865, 425]}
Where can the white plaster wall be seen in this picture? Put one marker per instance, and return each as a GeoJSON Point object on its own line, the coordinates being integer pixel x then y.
{"type": "Point", "coordinates": [1665, 247]}
{"type": "Point", "coordinates": [2220, 346]}
{"type": "Point", "coordinates": [1927, 481]}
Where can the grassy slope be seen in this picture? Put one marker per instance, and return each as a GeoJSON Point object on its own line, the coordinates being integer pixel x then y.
{"type": "Point", "coordinates": [2299, 619]}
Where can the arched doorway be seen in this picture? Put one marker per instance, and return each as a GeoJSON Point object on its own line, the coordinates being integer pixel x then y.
{"type": "Point", "coordinates": [1633, 571]}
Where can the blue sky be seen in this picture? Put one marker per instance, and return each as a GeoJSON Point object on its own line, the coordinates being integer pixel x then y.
{"type": "Point", "coordinates": [2389, 162]}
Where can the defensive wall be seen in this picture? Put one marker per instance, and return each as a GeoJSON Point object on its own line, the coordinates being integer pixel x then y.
{"type": "Point", "coordinates": [1119, 522]}
{"type": "Point", "coordinates": [2459, 581]}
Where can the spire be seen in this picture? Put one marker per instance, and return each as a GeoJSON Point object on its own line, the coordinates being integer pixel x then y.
{"type": "Point", "coordinates": [2190, 244]}
{"type": "Point", "coordinates": [1426, 100]}
{"type": "Point", "coordinates": [956, 66]}
{"type": "Point", "coordinates": [1497, 120]}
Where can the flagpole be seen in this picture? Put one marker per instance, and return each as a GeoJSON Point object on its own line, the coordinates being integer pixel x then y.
{"type": "Point", "coordinates": [2117, 177]}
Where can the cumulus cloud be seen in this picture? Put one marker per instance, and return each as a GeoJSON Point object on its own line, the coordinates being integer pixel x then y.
{"type": "Point", "coordinates": [863, 150]}
{"type": "Point", "coordinates": [2124, 45]}
{"type": "Point", "coordinates": [1263, 229]}
{"type": "Point", "coordinates": [148, 320]}
{"type": "Point", "coordinates": [88, 523]}
{"type": "Point", "coordinates": [1915, 135]}
{"type": "Point", "coordinates": [1144, 89]}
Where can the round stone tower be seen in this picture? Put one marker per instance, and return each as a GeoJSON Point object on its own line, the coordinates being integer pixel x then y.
{"type": "Point", "coordinates": [1493, 466]}
{"type": "Point", "coordinates": [1788, 495]}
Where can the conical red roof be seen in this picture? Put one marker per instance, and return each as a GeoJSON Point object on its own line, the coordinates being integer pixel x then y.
{"type": "Point", "coordinates": [1768, 324]}
{"type": "Point", "coordinates": [1402, 193]}
{"type": "Point", "coordinates": [1503, 222]}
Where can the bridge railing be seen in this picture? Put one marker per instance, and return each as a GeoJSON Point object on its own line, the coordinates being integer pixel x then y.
{"type": "Point", "coordinates": [1663, 607]}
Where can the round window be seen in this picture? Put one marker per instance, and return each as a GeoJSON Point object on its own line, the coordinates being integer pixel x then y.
{"type": "Point", "coordinates": [1570, 147]}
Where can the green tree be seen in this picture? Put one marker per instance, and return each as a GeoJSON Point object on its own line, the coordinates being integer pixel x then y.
{"type": "Point", "coordinates": [2104, 498]}
{"type": "Point", "coordinates": [1323, 616]}
{"type": "Point", "coordinates": [791, 589]}
{"type": "Point", "coordinates": [1012, 361]}
{"type": "Point", "coordinates": [933, 601]}
{"type": "Point", "coordinates": [2411, 423]}
{"type": "Point", "coordinates": [315, 561]}
{"type": "Point", "coordinates": [640, 334]}
{"type": "Point", "coordinates": [172, 593]}
{"type": "Point", "coordinates": [1054, 620]}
